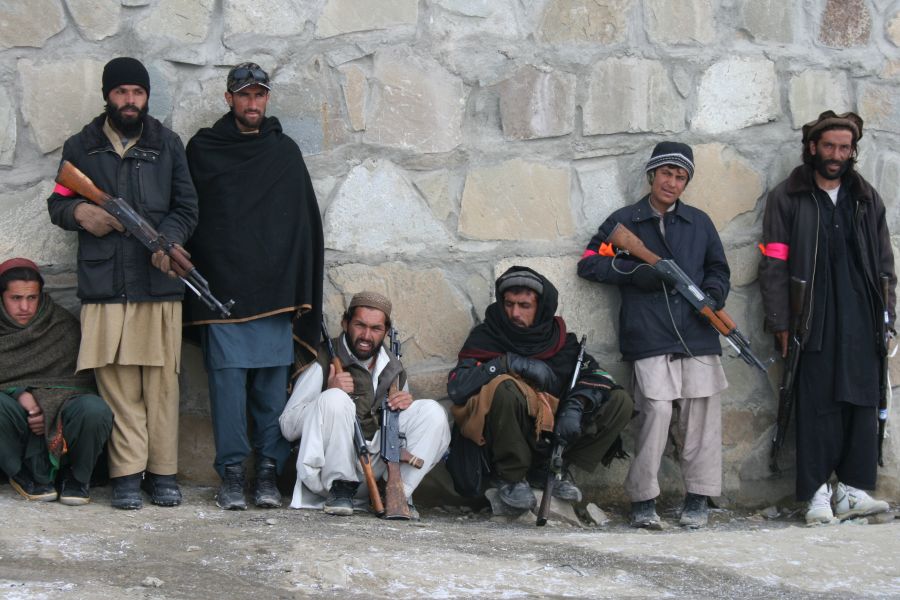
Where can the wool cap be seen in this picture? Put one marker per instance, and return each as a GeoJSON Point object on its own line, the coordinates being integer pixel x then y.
{"type": "Point", "coordinates": [519, 277]}
{"type": "Point", "coordinates": [829, 118]}
{"type": "Point", "coordinates": [672, 153]}
{"type": "Point", "coordinates": [246, 74]}
{"type": "Point", "coordinates": [371, 300]}
{"type": "Point", "coordinates": [124, 71]}
{"type": "Point", "coordinates": [14, 263]}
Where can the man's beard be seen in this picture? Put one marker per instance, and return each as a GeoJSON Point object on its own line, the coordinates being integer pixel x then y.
{"type": "Point", "coordinates": [362, 354]}
{"type": "Point", "coordinates": [247, 123]}
{"type": "Point", "coordinates": [822, 167]}
{"type": "Point", "coordinates": [127, 126]}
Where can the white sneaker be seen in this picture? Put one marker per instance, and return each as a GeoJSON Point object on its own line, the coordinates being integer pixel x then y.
{"type": "Point", "coordinates": [819, 509]}
{"type": "Point", "coordinates": [850, 502]}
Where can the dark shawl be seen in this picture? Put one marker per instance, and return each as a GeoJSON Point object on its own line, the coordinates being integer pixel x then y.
{"type": "Point", "coordinates": [40, 358]}
{"type": "Point", "coordinates": [259, 239]}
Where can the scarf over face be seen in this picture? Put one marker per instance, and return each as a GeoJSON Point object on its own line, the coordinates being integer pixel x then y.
{"type": "Point", "coordinates": [259, 239]}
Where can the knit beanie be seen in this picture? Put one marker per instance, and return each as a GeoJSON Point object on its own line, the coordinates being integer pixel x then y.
{"type": "Point", "coordinates": [672, 153]}
{"type": "Point", "coordinates": [124, 71]}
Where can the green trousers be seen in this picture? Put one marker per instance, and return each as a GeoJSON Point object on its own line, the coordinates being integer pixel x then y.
{"type": "Point", "coordinates": [86, 423]}
{"type": "Point", "coordinates": [510, 434]}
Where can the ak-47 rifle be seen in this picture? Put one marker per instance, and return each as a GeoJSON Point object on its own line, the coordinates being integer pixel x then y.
{"type": "Point", "coordinates": [359, 440]}
{"type": "Point", "coordinates": [626, 241]}
{"type": "Point", "coordinates": [787, 389]}
{"type": "Point", "coordinates": [885, 379]}
{"type": "Point", "coordinates": [71, 177]}
{"type": "Point", "coordinates": [555, 473]}
{"type": "Point", "coordinates": [393, 450]}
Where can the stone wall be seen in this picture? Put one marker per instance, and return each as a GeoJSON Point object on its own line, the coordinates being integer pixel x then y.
{"type": "Point", "coordinates": [448, 139]}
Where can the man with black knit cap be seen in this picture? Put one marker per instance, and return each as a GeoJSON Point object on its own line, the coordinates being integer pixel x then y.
{"type": "Point", "coordinates": [678, 374]}
{"type": "Point", "coordinates": [131, 300]}
{"type": "Point", "coordinates": [506, 388]}
{"type": "Point", "coordinates": [826, 225]}
{"type": "Point", "coordinates": [259, 241]}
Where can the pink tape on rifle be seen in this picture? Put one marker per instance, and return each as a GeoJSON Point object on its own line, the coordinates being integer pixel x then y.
{"type": "Point", "coordinates": [64, 191]}
{"type": "Point", "coordinates": [775, 250]}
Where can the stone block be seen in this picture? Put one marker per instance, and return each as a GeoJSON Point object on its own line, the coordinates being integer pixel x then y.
{"type": "Point", "coordinates": [346, 16]}
{"type": "Point", "coordinates": [721, 173]}
{"type": "Point", "coordinates": [588, 308]}
{"type": "Point", "coordinates": [305, 109]}
{"type": "Point", "coordinates": [277, 18]}
{"type": "Point", "coordinates": [893, 29]}
{"type": "Point", "coordinates": [602, 193]}
{"type": "Point", "coordinates": [845, 23]}
{"type": "Point", "coordinates": [30, 23]}
{"type": "Point", "coordinates": [195, 110]}
{"type": "Point", "coordinates": [879, 105]}
{"type": "Point", "coordinates": [537, 103]}
{"type": "Point", "coordinates": [7, 129]}
{"type": "Point", "coordinates": [433, 317]}
{"type": "Point", "coordinates": [182, 22]}
{"type": "Point", "coordinates": [405, 223]}
{"type": "Point", "coordinates": [356, 94]}
{"type": "Point", "coordinates": [814, 91]}
{"type": "Point", "coordinates": [430, 383]}
{"type": "Point", "coordinates": [736, 93]}
{"type": "Point", "coordinates": [516, 200]}
{"type": "Point", "coordinates": [680, 21]}
{"type": "Point", "coordinates": [96, 19]}
{"type": "Point", "coordinates": [475, 19]}
{"type": "Point", "coordinates": [627, 95]}
{"type": "Point", "coordinates": [743, 426]}
{"type": "Point", "coordinates": [196, 450]}
{"type": "Point", "coordinates": [435, 187]}
{"type": "Point", "coordinates": [415, 105]}
{"type": "Point", "coordinates": [744, 264]}
{"type": "Point", "coordinates": [769, 20]}
{"type": "Point", "coordinates": [25, 229]}
{"type": "Point", "coordinates": [74, 86]}
{"type": "Point", "coordinates": [585, 21]}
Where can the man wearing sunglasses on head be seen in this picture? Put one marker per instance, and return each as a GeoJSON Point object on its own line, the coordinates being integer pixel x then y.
{"type": "Point", "coordinates": [259, 242]}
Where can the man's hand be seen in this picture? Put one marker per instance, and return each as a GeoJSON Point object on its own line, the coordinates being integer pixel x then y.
{"type": "Point", "coordinates": [161, 261]}
{"type": "Point", "coordinates": [35, 414]}
{"type": "Point", "coordinates": [568, 421]}
{"type": "Point", "coordinates": [95, 220]}
{"type": "Point", "coordinates": [342, 381]}
{"type": "Point", "coordinates": [781, 342]}
{"type": "Point", "coordinates": [400, 400]}
{"type": "Point", "coordinates": [532, 369]}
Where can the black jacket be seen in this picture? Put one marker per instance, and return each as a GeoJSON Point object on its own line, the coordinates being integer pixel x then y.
{"type": "Point", "coordinates": [153, 178]}
{"type": "Point", "coordinates": [645, 325]}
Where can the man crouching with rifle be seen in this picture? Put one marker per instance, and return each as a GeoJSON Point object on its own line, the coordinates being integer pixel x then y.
{"type": "Point", "coordinates": [326, 402]}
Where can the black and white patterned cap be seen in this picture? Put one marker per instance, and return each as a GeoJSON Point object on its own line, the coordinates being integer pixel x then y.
{"type": "Point", "coordinates": [672, 153]}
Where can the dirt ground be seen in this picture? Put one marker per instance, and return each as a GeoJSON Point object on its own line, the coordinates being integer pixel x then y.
{"type": "Point", "coordinates": [198, 551]}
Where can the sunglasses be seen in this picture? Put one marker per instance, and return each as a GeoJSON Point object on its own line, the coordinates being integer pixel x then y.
{"type": "Point", "coordinates": [244, 73]}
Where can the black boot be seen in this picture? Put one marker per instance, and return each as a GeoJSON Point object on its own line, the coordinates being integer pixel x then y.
{"type": "Point", "coordinates": [267, 494]}
{"type": "Point", "coordinates": [340, 498]}
{"type": "Point", "coordinates": [163, 489]}
{"type": "Point", "coordinates": [695, 513]}
{"type": "Point", "coordinates": [126, 492]}
{"type": "Point", "coordinates": [24, 483]}
{"type": "Point", "coordinates": [231, 492]}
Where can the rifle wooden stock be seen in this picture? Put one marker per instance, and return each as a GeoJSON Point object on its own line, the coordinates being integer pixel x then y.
{"type": "Point", "coordinates": [364, 462]}
{"type": "Point", "coordinates": [70, 177]}
{"type": "Point", "coordinates": [885, 381]}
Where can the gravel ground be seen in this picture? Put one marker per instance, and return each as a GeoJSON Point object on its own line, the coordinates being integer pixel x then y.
{"type": "Point", "coordinates": [199, 551]}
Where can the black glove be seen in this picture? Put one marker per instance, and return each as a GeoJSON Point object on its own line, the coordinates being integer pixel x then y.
{"type": "Point", "coordinates": [568, 421]}
{"type": "Point", "coordinates": [718, 302]}
{"type": "Point", "coordinates": [647, 279]}
{"type": "Point", "coordinates": [532, 369]}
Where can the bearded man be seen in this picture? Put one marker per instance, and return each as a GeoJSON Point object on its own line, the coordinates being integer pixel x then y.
{"type": "Point", "coordinates": [826, 225]}
{"type": "Point", "coordinates": [506, 388]}
{"type": "Point", "coordinates": [131, 300]}
{"type": "Point", "coordinates": [259, 242]}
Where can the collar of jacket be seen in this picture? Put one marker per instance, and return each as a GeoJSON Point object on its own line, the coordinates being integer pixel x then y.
{"type": "Point", "coordinates": [95, 139]}
{"type": "Point", "coordinates": [802, 181]}
{"type": "Point", "coordinates": [644, 211]}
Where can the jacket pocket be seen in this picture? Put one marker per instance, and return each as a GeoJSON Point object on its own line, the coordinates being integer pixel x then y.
{"type": "Point", "coordinates": [162, 285]}
{"type": "Point", "coordinates": [97, 266]}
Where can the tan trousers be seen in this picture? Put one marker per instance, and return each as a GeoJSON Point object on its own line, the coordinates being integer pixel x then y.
{"type": "Point", "coordinates": [695, 424]}
{"type": "Point", "coordinates": [144, 402]}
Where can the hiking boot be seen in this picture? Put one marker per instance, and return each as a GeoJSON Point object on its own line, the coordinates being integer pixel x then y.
{"type": "Point", "coordinates": [643, 514]}
{"type": "Point", "coordinates": [695, 513]}
{"type": "Point", "coordinates": [564, 489]}
{"type": "Point", "coordinates": [72, 492]}
{"type": "Point", "coordinates": [819, 508]}
{"type": "Point", "coordinates": [27, 487]}
{"type": "Point", "coordinates": [231, 492]}
{"type": "Point", "coordinates": [267, 494]}
{"type": "Point", "coordinates": [340, 498]}
{"type": "Point", "coordinates": [516, 494]}
{"type": "Point", "coordinates": [163, 489]}
{"type": "Point", "coordinates": [851, 502]}
{"type": "Point", "coordinates": [126, 492]}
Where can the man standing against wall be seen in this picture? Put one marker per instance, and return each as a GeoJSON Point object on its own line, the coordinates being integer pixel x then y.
{"type": "Point", "coordinates": [131, 300]}
{"type": "Point", "coordinates": [259, 242]}
{"type": "Point", "coordinates": [826, 225]}
{"type": "Point", "coordinates": [677, 368]}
